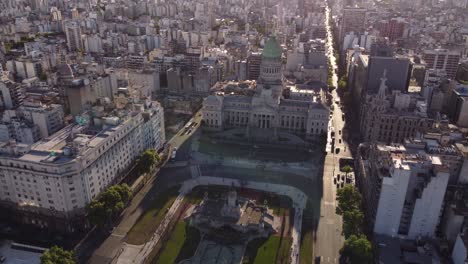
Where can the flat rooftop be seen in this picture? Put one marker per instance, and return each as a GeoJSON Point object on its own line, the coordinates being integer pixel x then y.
{"type": "Point", "coordinates": [17, 256]}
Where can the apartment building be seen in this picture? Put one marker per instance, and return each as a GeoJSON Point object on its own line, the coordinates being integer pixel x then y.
{"type": "Point", "coordinates": [49, 183]}
{"type": "Point", "coordinates": [403, 189]}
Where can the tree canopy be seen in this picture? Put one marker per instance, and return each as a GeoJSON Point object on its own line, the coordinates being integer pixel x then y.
{"type": "Point", "coordinates": [357, 249]}
{"type": "Point", "coordinates": [108, 204]}
{"type": "Point", "coordinates": [342, 83]}
{"type": "Point", "coordinates": [57, 255]}
{"type": "Point", "coordinates": [347, 169]}
{"type": "Point", "coordinates": [352, 222]}
{"type": "Point", "coordinates": [348, 198]}
{"type": "Point", "coordinates": [147, 160]}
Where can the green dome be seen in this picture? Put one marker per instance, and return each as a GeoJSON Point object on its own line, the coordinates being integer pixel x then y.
{"type": "Point", "coordinates": [272, 49]}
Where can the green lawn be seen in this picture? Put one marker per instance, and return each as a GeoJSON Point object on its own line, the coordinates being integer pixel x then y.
{"type": "Point", "coordinates": [306, 247]}
{"type": "Point", "coordinates": [266, 253]}
{"type": "Point", "coordinates": [147, 224]}
{"type": "Point", "coordinates": [283, 252]}
{"type": "Point", "coordinates": [190, 245]}
{"type": "Point", "coordinates": [307, 239]}
{"type": "Point", "coordinates": [174, 245]}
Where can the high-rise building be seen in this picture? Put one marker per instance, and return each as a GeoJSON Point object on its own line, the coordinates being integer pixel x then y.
{"type": "Point", "coordinates": [353, 20]}
{"type": "Point", "coordinates": [253, 65]}
{"type": "Point", "coordinates": [442, 59]}
{"type": "Point", "coordinates": [10, 94]}
{"type": "Point", "coordinates": [398, 73]}
{"type": "Point", "coordinates": [73, 33]}
{"type": "Point", "coordinates": [392, 29]}
{"type": "Point", "coordinates": [459, 106]}
{"type": "Point", "coordinates": [403, 189]}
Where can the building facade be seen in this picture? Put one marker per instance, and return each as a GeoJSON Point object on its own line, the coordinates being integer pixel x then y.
{"type": "Point", "coordinates": [392, 118]}
{"type": "Point", "coordinates": [73, 33]}
{"type": "Point", "coordinates": [266, 105]}
{"type": "Point", "coordinates": [54, 179]}
{"type": "Point", "coordinates": [442, 59]}
{"type": "Point", "coordinates": [403, 189]}
{"type": "Point", "coordinates": [353, 20]}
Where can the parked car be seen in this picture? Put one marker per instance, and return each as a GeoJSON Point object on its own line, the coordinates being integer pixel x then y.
{"type": "Point", "coordinates": [318, 259]}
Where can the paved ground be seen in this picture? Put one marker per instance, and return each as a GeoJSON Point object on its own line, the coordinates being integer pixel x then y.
{"type": "Point", "coordinates": [329, 237]}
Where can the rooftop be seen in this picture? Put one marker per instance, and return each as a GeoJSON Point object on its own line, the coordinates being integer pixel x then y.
{"type": "Point", "coordinates": [272, 49]}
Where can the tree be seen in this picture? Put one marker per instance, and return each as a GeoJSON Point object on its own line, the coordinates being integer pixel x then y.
{"type": "Point", "coordinates": [57, 255]}
{"type": "Point", "coordinates": [348, 199]}
{"type": "Point", "coordinates": [109, 204]}
{"type": "Point", "coordinates": [342, 83]}
{"type": "Point", "coordinates": [43, 76]}
{"type": "Point", "coordinates": [357, 249]}
{"type": "Point", "coordinates": [352, 222]}
{"type": "Point", "coordinates": [124, 191]}
{"type": "Point", "coordinates": [347, 169]}
{"type": "Point", "coordinates": [147, 160]}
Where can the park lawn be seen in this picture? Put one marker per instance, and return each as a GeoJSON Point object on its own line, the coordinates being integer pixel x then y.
{"type": "Point", "coordinates": [306, 247]}
{"type": "Point", "coordinates": [283, 252]}
{"type": "Point", "coordinates": [306, 252]}
{"type": "Point", "coordinates": [174, 245]}
{"type": "Point", "coordinates": [266, 253]}
{"type": "Point", "coordinates": [147, 224]}
{"type": "Point", "coordinates": [192, 239]}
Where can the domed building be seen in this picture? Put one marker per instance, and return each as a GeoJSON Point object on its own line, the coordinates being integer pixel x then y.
{"type": "Point", "coordinates": [298, 109]}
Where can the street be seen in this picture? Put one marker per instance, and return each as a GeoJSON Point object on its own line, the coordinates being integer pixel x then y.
{"type": "Point", "coordinates": [111, 246]}
{"type": "Point", "coordinates": [329, 237]}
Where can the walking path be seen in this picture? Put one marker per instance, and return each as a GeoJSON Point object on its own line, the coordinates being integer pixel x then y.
{"type": "Point", "coordinates": [138, 254]}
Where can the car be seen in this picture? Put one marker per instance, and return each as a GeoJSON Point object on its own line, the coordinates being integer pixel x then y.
{"type": "Point", "coordinates": [318, 259]}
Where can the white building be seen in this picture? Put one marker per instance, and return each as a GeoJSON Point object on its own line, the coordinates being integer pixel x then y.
{"type": "Point", "coordinates": [57, 177]}
{"type": "Point", "coordinates": [93, 44]}
{"type": "Point", "coordinates": [49, 118]}
{"type": "Point", "coordinates": [459, 252]}
{"type": "Point", "coordinates": [73, 33]}
{"type": "Point", "coordinates": [268, 103]}
{"type": "Point", "coordinates": [403, 189]}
